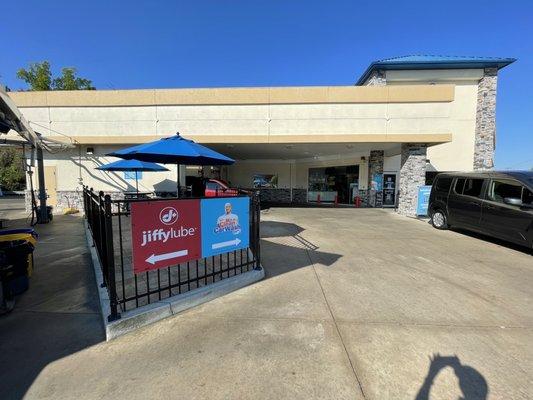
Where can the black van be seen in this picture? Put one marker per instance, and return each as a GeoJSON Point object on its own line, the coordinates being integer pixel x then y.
{"type": "Point", "coordinates": [498, 204]}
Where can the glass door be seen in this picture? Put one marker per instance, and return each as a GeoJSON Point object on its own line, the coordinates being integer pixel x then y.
{"type": "Point", "coordinates": [389, 189]}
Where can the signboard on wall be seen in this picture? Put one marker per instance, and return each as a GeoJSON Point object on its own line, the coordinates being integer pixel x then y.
{"type": "Point", "coordinates": [265, 181]}
{"type": "Point", "coordinates": [225, 225]}
{"type": "Point", "coordinates": [377, 182]}
{"type": "Point", "coordinates": [423, 200]}
{"type": "Point", "coordinates": [164, 233]}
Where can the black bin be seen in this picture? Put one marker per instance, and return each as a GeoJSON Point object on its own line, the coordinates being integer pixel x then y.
{"type": "Point", "coordinates": [16, 259]}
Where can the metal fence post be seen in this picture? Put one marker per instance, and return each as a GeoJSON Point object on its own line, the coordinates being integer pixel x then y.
{"type": "Point", "coordinates": [101, 241]}
{"type": "Point", "coordinates": [257, 233]}
{"type": "Point", "coordinates": [84, 201]}
{"type": "Point", "coordinates": [91, 212]}
{"type": "Point", "coordinates": [110, 257]}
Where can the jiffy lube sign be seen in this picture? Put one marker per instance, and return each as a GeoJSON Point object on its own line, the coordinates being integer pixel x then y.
{"type": "Point", "coordinates": [225, 224]}
{"type": "Point", "coordinates": [165, 233]}
{"type": "Point", "coordinates": [169, 232]}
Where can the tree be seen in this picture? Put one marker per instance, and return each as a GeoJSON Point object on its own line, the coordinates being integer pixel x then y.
{"type": "Point", "coordinates": [11, 170]}
{"type": "Point", "coordinates": [39, 77]}
{"type": "Point", "coordinates": [69, 81]}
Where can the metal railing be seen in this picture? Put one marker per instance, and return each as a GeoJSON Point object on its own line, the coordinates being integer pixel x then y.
{"type": "Point", "coordinates": [109, 223]}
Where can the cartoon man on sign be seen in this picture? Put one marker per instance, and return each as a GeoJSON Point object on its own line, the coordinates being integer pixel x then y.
{"type": "Point", "coordinates": [228, 222]}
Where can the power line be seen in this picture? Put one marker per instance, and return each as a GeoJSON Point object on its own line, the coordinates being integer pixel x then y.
{"type": "Point", "coordinates": [53, 130]}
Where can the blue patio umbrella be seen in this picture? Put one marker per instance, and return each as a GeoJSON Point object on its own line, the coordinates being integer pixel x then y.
{"type": "Point", "coordinates": [174, 150]}
{"type": "Point", "coordinates": [133, 166]}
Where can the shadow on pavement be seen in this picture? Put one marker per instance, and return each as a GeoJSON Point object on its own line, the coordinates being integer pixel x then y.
{"type": "Point", "coordinates": [58, 315]}
{"type": "Point", "coordinates": [283, 249]}
{"type": "Point", "coordinates": [472, 384]}
{"type": "Point", "coordinates": [491, 239]}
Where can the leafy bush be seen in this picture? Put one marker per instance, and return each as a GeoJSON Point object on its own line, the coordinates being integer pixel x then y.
{"type": "Point", "coordinates": [11, 169]}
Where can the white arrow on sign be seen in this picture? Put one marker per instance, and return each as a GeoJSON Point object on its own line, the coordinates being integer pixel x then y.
{"type": "Point", "coordinates": [233, 242]}
{"type": "Point", "coordinates": [167, 256]}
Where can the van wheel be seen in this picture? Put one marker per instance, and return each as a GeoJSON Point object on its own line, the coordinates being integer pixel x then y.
{"type": "Point", "coordinates": [439, 220]}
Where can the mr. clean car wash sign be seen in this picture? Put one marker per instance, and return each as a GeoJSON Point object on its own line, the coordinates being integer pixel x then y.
{"type": "Point", "coordinates": [225, 225]}
{"type": "Point", "coordinates": [170, 232]}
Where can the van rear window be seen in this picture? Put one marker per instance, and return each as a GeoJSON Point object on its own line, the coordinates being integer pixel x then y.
{"type": "Point", "coordinates": [443, 184]}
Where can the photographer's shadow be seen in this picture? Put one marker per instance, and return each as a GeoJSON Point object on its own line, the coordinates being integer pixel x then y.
{"type": "Point", "coordinates": [471, 382]}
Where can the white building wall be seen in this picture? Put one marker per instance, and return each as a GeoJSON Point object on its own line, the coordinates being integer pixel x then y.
{"type": "Point", "coordinates": [299, 121]}
{"type": "Point", "coordinates": [73, 164]}
{"type": "Point", "coordinates": [458, 154]}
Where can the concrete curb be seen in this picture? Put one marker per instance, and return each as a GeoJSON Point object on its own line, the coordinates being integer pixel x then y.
{"type": "Point", "coordinates": [145, 315]}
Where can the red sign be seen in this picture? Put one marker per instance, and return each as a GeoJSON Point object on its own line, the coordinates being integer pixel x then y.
{"type": "Point", "coordinates": [165, 233]}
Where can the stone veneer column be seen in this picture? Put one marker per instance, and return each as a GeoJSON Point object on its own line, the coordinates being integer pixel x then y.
{"type": "Point", "coordinates": [377, 78]}
{"type": "Point", "coordinates": [412, 176]}
{"type": "Point", "coordinates": [485, 137]}
{"type": "Point", "coordinates": [375, 166]}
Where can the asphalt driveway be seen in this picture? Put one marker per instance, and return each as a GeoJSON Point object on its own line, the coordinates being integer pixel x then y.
{"type": "Point", "coordinates": [357, 304]}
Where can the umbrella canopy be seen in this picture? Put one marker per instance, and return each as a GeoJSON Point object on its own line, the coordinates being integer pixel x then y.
{"type": "Point", "coordinates": [132, 165]}
{"type": "Point", "coordinates": [174, 150]}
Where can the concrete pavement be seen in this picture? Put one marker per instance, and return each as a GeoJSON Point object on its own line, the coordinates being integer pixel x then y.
{"type": "Point", "coordinates": [13, 211]}
{"type": "Point", "coordinates": [357, 304]}
{"type": "Point", "coordinates": [58, 316]}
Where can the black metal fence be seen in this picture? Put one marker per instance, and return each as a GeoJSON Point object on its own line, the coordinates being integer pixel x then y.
{"type": "Point", "coordinates": [109, 222]}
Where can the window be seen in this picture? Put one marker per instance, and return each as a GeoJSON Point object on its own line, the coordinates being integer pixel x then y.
{"type": "Point", "coordinates": [527, 196]}
{"type": "Point", "coordinates": [473, 187]}
{"type": "Point", "coordinates": [501, 189]}
{"type": "Point", "coordinates": [459, 183]}
{"type": "Point", "coordinates": [212, 186]}
{"type": "Point", "coordinates": [443, 184]}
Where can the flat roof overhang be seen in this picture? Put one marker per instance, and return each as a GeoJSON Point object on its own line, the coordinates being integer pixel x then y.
{"type": "Point", "coordinates": [237, 96]}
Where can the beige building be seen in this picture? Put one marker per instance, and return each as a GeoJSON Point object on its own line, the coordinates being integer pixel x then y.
{"type": "Point", "coordinates": [377, 141]}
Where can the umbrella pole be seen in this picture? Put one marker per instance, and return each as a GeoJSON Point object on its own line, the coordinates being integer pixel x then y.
{"type": "Point", "coordinates": [137, 183]}
{"type": "Point", "coordinates": [178, 181]}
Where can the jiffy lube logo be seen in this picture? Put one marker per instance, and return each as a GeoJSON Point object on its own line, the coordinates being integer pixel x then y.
{"type": "Point", "coordinates": [228, 222]}
{"type": "Point", "coordinates": [168, 216]}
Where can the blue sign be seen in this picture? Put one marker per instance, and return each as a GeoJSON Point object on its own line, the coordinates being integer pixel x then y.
{"type": "Point", "coordinates": [132, 175]}
{"type": "Point", "coordinates": [225, 224]}
{"type": "Point", "coordinates": [423, 200]}
{"type": "Point", "coordinates": [377, 182]}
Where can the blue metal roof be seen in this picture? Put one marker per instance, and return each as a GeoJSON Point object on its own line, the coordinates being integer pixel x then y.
{"type": "Point", "coordinates": [434, 62]}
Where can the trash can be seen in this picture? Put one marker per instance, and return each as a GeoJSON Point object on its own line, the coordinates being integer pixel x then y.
{"type": "Point", "coordinates": [16, 260]}
{"type": "Point", "coordinates": [49, 213]}
{"type": "Point", "coordinates": [17, 265]}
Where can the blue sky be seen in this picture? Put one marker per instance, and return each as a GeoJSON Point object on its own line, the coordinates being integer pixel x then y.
{"type": "Point", "coordinates": [160, 44]}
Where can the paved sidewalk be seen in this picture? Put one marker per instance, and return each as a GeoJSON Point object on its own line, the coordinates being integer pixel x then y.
{"type": "Point", "coordinates": [58, 315]}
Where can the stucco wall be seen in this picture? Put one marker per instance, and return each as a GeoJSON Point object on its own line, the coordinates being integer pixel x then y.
{"type": "Point", "coordinates": [459, 154]}
{"type": "Point", "coordinates": [295, 122]}
{"type": "Point", "coordinates": [70, 166]}
{"type": "Point", "coordinates": [263, 115]}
